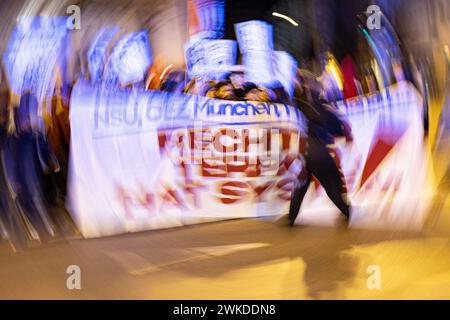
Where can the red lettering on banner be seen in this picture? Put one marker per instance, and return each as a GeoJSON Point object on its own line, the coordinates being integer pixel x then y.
{"type": "Point", "coordinates": [200, 139]}
{"type": "Point", "coordinates": [173, 197]}
{"type": "Point", "coordinates": [213, 168]}
{"type": "Point", "coordinates": [233, 191]}
{"type": "Point", "coordinates": [226, 150]}
{"type": "Point", "coordinates": [262, 189]}
{"type": "Point", "coordinates": [235, 153]}
{"type": "Point", "coordinates": [147, 200]}
{"type": "Point", "coordinates": [248, 140]}
{"type": "Point", "coordinates": [223, 133]}
{"type": "Point", "coordinates": [162, 140]}
{"type": "Point", "coordinates": [125, 200]}
{"type": "Point", "coordinates": [194, 190]}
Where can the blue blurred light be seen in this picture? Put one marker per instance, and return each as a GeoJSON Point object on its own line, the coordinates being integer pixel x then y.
{"type": "Point", "coordinates": [34, 50]}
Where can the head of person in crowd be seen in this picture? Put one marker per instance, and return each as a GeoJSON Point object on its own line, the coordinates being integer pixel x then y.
{"type": "Point", "coordinates": [174, 81]}
{"type": "Point", "coordinates": [237, 79]}
{"type": "Point", "coordinates": [255, 93]}
{"type": "Point", "coordinates": [225, 91]}
{"type": "Point", "coordinates": [279, 94]}
{"type": "Point", "coordinates": [308, 86]}
{"type": "Point", "coordinates": [198, 86]}
{"type": "Point", "coordinates": [222, 77]}
{"type": "Point", "coordinates": [210, 90]}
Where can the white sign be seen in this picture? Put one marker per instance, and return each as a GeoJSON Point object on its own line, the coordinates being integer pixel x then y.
{"type": "Point", "coordinates": [255, 40]}
{"type": "Point", "coordinates": [285, 70]}
{"type": "Point", "coordinates": [258, 67]}
{"type": "Point", "coordinates": [254, 35]}
{"type": "Point", "coordinates": [154, 160]}
{"type": "Point", "coordinates": [220, 54]}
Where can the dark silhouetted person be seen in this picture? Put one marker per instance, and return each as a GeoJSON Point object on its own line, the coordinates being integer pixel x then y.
{"type": "Point", "coordinates": [23, 158]}
{"type": "Point", "coordinates": [323, 126]}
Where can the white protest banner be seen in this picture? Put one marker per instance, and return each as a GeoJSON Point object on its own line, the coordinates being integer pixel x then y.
{"type": "Point", "coordinates": [254, 35]}
{"type": "Point", "coordinates": [386, 168]}
{"type": "Point", "coordinates": [152, 160]}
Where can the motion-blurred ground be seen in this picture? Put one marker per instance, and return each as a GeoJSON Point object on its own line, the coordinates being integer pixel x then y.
{"type": "Point", "coordinates": [240, 259]}
{"type": "Point", "coordinates": [245, 259]}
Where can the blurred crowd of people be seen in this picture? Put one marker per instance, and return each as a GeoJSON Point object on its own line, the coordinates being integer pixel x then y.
{"type": "Point", "coordinates": [34, 161]}
{"type": "Point", "coordinates": [35, 152]}
{"type": "Point", "coordinates": [230, 86]}
{"type": "Point", "coordinates": [35, 142]}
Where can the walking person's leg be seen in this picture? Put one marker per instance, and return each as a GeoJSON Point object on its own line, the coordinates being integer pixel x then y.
{"type": "Point", "coordinates": [324, 168]}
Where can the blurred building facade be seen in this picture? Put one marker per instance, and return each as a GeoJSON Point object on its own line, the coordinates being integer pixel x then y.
{"type": "Point", "coordinates": [423, 26]}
